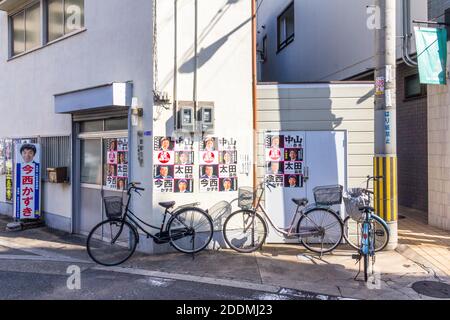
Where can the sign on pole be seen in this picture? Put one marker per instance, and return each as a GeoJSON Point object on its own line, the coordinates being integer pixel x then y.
{"type": "Point", "coordinates": [28, 181]}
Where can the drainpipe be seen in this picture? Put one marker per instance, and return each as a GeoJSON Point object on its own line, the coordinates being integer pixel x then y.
{"type": "Point", "coordinates": [196, 60]}
{"type": "Point", "coordinates": [254, 95]}
{"type": "Point", "coordinates": [175, 65]}
{"type": "Point", "coordinates": [406, 13]}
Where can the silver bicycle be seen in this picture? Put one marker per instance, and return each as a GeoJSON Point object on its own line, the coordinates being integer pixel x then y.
{"type": "Point", "coordinates": [319, 227]}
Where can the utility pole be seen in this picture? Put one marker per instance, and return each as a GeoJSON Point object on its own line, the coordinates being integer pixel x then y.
{"type": "Point", "coordinates": [385, 160]}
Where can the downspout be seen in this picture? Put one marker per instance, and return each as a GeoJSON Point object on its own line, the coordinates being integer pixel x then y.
{"type": "Point", "coordinates": [196, 61]}
{"type": "Point", "coordinates": [406, 13]}
{"type": "Point", "coordinates": [408, 30]}
{"type": "Point", "coordinates": [254, 95]}
{"type": "Point", "coordinates": [175, 65]}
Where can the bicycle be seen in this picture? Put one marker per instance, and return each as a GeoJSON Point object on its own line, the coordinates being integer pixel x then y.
{"type": "Point", "coordinates": [369, 228]}
{"type": "Point", "coordinates": [319, 228]}
{"type": "Point", "coordinates": [112, 242]}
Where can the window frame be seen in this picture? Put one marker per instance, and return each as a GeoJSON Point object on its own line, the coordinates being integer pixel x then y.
{"type": "Point", "coordinates": [289, 39]}
{"type": "Point", "coordinates": [23, 10]}
{"type": "Point", "coordinates": [65, 34]}
{"type": "Point", "coordinates": [423, 88]}
{"type": "Point", "coordinates": [43, 32]}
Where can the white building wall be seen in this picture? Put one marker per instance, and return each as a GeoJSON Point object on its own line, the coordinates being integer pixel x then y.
{"type": "Point", "coordinates": [332, 40]}
{"type": "Point", "coordinates": [224, 77]}
{"type": "Point", "coordinates": [116, 47]}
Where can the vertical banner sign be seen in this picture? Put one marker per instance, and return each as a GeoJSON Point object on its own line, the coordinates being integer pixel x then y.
{"type": "Point", "coordinates": [117, 163]}
{"type": "Point", "coordinates": [164, 163]}
{"type": "Point", "coordinates": [28, 181]}
{"type": "Point", "coordinates": [431, 44]}
{"type": "Point", "coordinates": [285, 159]}
{"type": "Point", "coordinates": [184, 166]}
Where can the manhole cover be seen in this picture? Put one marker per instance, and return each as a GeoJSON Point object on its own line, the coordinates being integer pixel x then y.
{"type": "Point", "coordinates": [432, 289]}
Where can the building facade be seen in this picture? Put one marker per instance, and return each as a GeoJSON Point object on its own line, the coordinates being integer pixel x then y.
{"type": "Point", "coordinates": [306, 41]}
{"type": "Point", "coordinates": [438, 139]}
{"type": "Point", "coordinates": [100, 84]}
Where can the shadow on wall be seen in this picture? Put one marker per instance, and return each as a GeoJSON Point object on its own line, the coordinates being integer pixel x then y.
{"type": "Point", "coordinates": [205, 53]}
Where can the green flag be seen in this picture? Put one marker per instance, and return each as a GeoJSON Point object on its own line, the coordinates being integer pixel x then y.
{"type": "Point", "coordinates": [431, 44]}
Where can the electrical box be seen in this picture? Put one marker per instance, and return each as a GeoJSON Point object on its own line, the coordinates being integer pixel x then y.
{"type": "Point", "coordinates": [205, 117]}
{"type": "Point", "coordinates": [186, 116]}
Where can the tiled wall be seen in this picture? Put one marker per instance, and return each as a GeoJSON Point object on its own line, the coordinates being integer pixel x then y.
{"type": "Point", "coordinates": [439, 143]}
{"type": "Point", "coordinates": [411, 145]}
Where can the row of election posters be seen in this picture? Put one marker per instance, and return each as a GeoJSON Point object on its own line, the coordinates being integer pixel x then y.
{"type": "Point", "coordinates": [174, 162]}
{"type": "Point", "coordinates": [284, 157]}
{"type": "Point", "coordinates": [117, 163]}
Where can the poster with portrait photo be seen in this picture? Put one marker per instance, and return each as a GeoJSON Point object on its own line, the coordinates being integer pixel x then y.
{"type": "Point", "coordinates": [184, 186]}
{"type": "Point", "coordinates": [228, 157]}
{"type": "Point", "coordinates": [184, 158]}
{"type": "Point", "coordinates": [122, 145]}
{"type": "Point", "coordinates": [275, 167]}
{"type": "Point", "coordinates": [122, 183]}
{"type": "Point", "coordinates": [293, 181]}
{"type": "Point", "coordinates": [228, 184]}
{"type": "Point", "coordinates": [209, 144]}
{"type": "Point", "coordinates": [28, 181]}
{"type": "Point", "coordinates": [293, 167]}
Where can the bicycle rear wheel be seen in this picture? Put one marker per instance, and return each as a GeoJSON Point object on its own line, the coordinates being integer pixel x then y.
{"type": "Point", "coordinates": [328, 228]}
{"type": "Point", "coordinates": [190, 230]}
{"type": "Point", "coordinates": [245, 231]}
{"type": "Point", "coordinates": [352, 233]}
{"type": "Point", "coordinates": [112, 242]}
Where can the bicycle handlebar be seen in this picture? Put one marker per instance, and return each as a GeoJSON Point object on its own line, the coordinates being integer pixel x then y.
{"type": "Point", "coordinates": [133, 186]}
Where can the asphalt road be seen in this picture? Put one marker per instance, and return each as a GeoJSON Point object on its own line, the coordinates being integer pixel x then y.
{"type": "Point", "coordinates": [39, 284]}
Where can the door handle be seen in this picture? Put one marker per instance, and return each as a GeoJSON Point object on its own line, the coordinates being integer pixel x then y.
{"type": "Point", "coordinates": [306, 174]}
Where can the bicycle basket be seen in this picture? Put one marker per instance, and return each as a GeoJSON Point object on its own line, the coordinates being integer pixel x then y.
{"type": "Point", "coordinates": [245, 198]}
{"type": "Point", "coordinates": [113, 207]}
{"type": "Point", "coordinates": [328, 195]}
{"type": "Point", "coordinates": [355, 199]}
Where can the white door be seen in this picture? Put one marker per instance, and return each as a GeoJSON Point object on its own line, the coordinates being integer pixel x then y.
{"type": "Point", "coordinates": [323, 161]}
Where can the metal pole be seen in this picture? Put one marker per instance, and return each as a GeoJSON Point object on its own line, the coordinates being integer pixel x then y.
{"type": "Point", "coordinates": [385, 160]}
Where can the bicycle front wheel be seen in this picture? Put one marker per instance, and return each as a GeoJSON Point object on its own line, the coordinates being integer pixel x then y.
{"type": "Point", "coordinates": [190, 230]}
{"type": "Point", "coordinates": [352, 233]}
{"type": "Point", "coordinates": [112, 242]}
{"type": "Point", "coordinates": [245, 231]}
{"type": "Point", "coordinates": [324, 229]}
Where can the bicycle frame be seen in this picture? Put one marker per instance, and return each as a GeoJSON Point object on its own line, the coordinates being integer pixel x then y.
{"type": "Point", "coordinates": [159, 237]}
{"type": "Point", "coordinates": [290, 231]}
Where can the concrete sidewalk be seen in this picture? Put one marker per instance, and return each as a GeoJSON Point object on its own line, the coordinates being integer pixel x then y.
{"type": "Point", "coordinates": [276, 266]}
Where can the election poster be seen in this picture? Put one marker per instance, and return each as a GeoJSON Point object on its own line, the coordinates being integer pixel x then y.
{"type": "Point", "coordinates": [173, 165]}
{"type": "Point", "coordinates": [28, 181]}
{"type": "Point", "coordinates": [284, 156]}
{"type": "Point", "coordinates": [117, 164]}
{"type": "Point", "coordinates": [6, 167]}
{"type": "Point", "coordinates": [218, 165]}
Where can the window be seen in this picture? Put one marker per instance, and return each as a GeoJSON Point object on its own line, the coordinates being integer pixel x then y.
{"type": "Point", "coordinates": [26, 29]}
{"type": "Point", "coordinates": [113, 124]}
{"type": "Point", "coordinates": [413, 87]}
{"type": "Point", "coordinates": [286, 27]}
{"type": "Point", "coordinates": [64, 17]}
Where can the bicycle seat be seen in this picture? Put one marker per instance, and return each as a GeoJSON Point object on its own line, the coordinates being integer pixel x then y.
{"type": "Point", "coordinates": [167, 205]}
{"type": "Point", "coordinates": [301, 202]}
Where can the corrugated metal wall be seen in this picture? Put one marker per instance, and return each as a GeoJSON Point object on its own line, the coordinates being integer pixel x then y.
{"type": "Point", "coordinates": [322, 107]}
